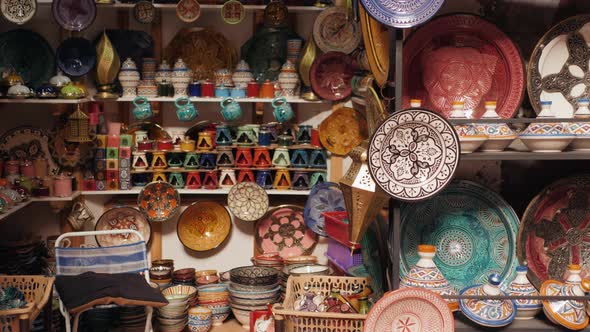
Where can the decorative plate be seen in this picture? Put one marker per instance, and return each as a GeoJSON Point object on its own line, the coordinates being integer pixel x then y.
{"type": "Point", "coordinates": [188, 10]}
{"type": "Point", "coordinates": [283, 230]}
{"type": "Point", "coordinates": [68, 154]}
{"type": "Point", "coordinates": [402, 14]}
{"type": "Point", "coordinates": [233, 12]}
{"type": "Point", "coordinates": [331, 75]}
{"type": "Point", "coordinates": [343, 130]}
{"type": "Point", "coordinates": [18, 11]}
{"type": "Point", "coordinates": [462, 57]}
{"type": "Point", "coordinates": [159, 201]}
{"type": "Point", "coordinates": [29, 54]}
{"type": "Point", "coordinates": [247, 201]}
{"type": "Point", "coordinates": [554, 230]}
{"type": "Point", "coordinates": [332, 31]}
{"type": "Point", "coordinates": [276, 14]}
{"type": "Point", "coordinates": [30, 143]}
{"type": "Point", "coordinates": [324, 197]}
{"type": "Point", "coordinates": [203, 226]}
{"type": "Point", "coordinates": [473, 229]}
{"type": "Point", "coordinates": [558, 66]}
{"type": "Point", "coordinates": [76, 56]}
{"type": "Point", "coordinates": [122, 218]}
{"type": "Point", "coordinates": [414, 154]}
{"type": "Point", "coordinates": [376, 40]}
{"type": "Point", "coordinates": [144, 12]}
{"type": "Point", "coordinates": [410, 310]}
{"type": "Point", "coordinates": [266, 52]}
{"type": "Point", "coordinates": [74, 15]}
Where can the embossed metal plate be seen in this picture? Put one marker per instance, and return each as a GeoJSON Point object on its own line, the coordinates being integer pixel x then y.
{"type": "Point", "coordinates": [376, 40]}
{"type": "Point", "coordinates": [333, 32]}
{"type": "Point", "coordinates": [402, 13]}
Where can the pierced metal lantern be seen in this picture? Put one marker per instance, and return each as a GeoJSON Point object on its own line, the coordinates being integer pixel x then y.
{"type": "Point", "coordinates": [78, 126]}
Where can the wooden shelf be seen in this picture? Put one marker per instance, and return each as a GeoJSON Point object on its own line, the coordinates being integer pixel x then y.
{"type": "Point", "coordinates": [43, 101]}
{"type": "Point", "coordinates": [23, 205]}
{"type": "Point", "coordinates": [200, 170]}
{"type": "Point", "coordinates": [206, 7]}
{"type": "Point", "coordinates": [292, 100]}
{"type": "Point", "coordinates": [518, 155]}
{"type": "Point", "coordinates": [220, 191]}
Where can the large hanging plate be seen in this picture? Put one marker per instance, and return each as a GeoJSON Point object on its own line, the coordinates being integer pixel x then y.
{"type": "Point", "coordinates": [74, 15]}
{"type": "Point", "coordinates": [376, 40]}
{"type": "Point", "coordinates": [333, 32]}
{"type": "Point", "coordinates": [248, 201]}
{"type": "Point", "coordinates": [342, 131]}
{"type": "Point", "coordinates": [402, 13]}
{"type": "Point", "coordinates": [122, 218]}
{"type": "Point", "coordinates": [159, 201]}
{"type": "Point", "coordinates": [324, 197]}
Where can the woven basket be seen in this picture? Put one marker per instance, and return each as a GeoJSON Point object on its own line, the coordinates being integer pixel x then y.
{"type": "Point", "coordinates": [300, 321]}
{"type": "Point", "coordinates": [37, 290]}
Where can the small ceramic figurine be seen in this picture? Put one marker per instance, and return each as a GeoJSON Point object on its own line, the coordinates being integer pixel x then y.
{"type": "Point", "coordinates": [492, 313]}
{"type": "Point", "coordinates": [581, 129]}
{"type": "Point", "coordinates": [499, 134]}
{"type": "Point", "coordinates": [289, 79]}
{"type": "Point", "coordinates": [546, 136]}
{"type": "Point", "coordinates": [521, 286]}
{"type": "Point", "coordinates": [469, 135]}
{"type": "Point", "coordinates": [181, 77]}
{"type": "Point", "coordinates": [242, 76]}
{"type": "Point", "coordinates": [129, 78]}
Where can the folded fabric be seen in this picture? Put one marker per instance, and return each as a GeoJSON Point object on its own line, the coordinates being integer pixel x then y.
{"type": "Point", "coordinates": [89, 289]}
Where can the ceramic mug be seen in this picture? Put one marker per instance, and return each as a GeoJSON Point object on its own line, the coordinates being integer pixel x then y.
{"type": "Point", "coordinates": [230, 109]}
{"type": "Point", "coordinates": [143, 109]}
{"type": "Point", "coordinates": [283, 111]}
{"type": "Point", "coordinates": [185, 110]}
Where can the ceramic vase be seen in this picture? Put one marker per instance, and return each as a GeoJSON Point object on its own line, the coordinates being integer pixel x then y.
{"type": "Point", "coordinates": [521, 286]}
{"type": "Point", "coordinates": [289, 79]}
{"type": "Point", "coordinates": [181, 77]}
{"type": "Point", "coordinates": [164, 73]}
{"type": "Point", "coordinates": [129, 78]}
{"type": "Point", "coordinates": [223, 77]}
{"type": "Point", "coordinates": [242, 76]}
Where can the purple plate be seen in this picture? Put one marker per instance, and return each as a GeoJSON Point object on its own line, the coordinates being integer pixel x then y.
{"type": "Point", "coordinates": [74, 15]}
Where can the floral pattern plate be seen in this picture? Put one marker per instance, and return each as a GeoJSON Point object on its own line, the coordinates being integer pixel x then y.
{"type": "Point", "coordinates": [331, 75]}
{"type": "Point", "coordinates": [159, 201]}
{"type": "Point", "coordinates": [28, 143]}
{"type": "Point", "coordinates": [410, 310]}
{"type": "Point", "coordinates": [555, 230]}
{"type": "Point", "coordinates": [402, 14]}
{"type": "Point", "coordinates": [203, 226]}
{"type": "Point", "coordinates": [413, 154]}
{"type": "Point", "coordinates": [122, 218]}
{"type": "Point", "coordinates": [18, 11]}
{"type": "Point", "coordinates": [473, 229]}
{"type": "Point", "coordinates": [343, 130]}
{"type": "Point", "coordinates": [247, 201]}
{"type": "Point", "coordinates": [324, 197]}
{"type": "Point", "coordinates": [283, 230]}
{"type": "Point", "coordinates": [332, 31]}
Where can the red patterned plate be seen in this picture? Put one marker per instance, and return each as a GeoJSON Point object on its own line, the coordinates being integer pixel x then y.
{"type": "Point", "coordinates": [463, 57]}
{"type": "Point", "coordinates": [159, 201]}
{"type": "Point", "coordinates": [331, 74]}
{"type": "Point", "coordinates": [283, 230]}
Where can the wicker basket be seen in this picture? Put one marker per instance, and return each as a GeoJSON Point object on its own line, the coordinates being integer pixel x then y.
{"type": "Point", "coordinates": [37, 290]}
{"type": "Point", "coordinates": [300, 321]}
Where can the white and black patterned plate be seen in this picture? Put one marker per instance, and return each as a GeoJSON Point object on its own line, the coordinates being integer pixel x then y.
{"type": "Point", "coordinates": [247, 201]}
{"type": "Point", "coordinates": [413, 154]}
{"type": "Point", "coordinates": [18, 11]}
{"type": "Point", "coordinates": [402, 13]}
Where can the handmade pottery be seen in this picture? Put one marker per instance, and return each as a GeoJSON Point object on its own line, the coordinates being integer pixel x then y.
{"type": "Point", "coordinates": [223, 77]}
{"type": "Point", "coordinates": [333, 31]}
{"type": "Point", "coordinates": [283, 112]}
{"type": "Point", "coordinates": [76, 56]}
{"type": "Point", "coordinates": [267, 90]}
{"type": "Point", "coordinates": [129, 78]}
{"type": "Point", "coordinates": [491, 313]}
{"type": "Point", "coordinates": [185, 110]}
{"type": "Point", "coordinates": [181, 77]}
{"type": "Point", "coordinates": [71, 91]}
{"type": "Point", "coordinates": [147, 89]}
{"type": "Point", "coordinates": [470, 136]}
{"type": "Point", "coordinates": [159, 201]}
{"type": "Point", "coordinates": [47, 91]}
{"type": "Point", "coordinates": [581, 129]}
{"type": "Point", "coordinates": [122, 218]}
{"type": "Point", "coordinates": [230, 110]}
{"type": "Point", "coordinates": [546, 137]}
{"type": "Point", "coordinates": [499, 134]}
{"type": "Point", "coordinates": [222, 91]}
{"type": "Point", "coordinates": [142, 109]}
{"type": "Point", "coordinates": [521, 286]}
{"type": "Point", "coordinates": [242, 76]}
{"type": "Point", "coordinates": [402, 15]}
{"type": "Point", "coordinates": [343, 130]}
{"type": "Point", "coordinates": [254, 276]}
{"type": "Point", "coordinates": [74, 15]}
{"type": "Point", "coordinates": [144, 12]}
{"type": "Point", "coordinates": [568, 313]}
{"type": "Point", "coordinates": [203, 226]}
{"type": "Point", "coordinates": [20, 11]}
{"type": "Point", "coordinates": [247, 201]}
{"type": "Point", "coordinates": [59, 80]}
{"type": "Point", "coordinates": [233, 12]}
{"type": "Point", "coordinates": [289, 79]}
{"type": "Point", "coordinates": [236, 92]}
{"type": "Point", "coordinates": [164, 73]}
{"type": "Point", "coordinates": [331, 75]}
{"type": "Point", "coordinates": [19, 91]}
{"type": "Point", "coordinates": [188, 10]}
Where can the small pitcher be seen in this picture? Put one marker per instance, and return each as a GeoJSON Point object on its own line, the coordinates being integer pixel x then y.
{"type": "Point", "coordinates": [185, 110]}
{"type": "Point", "coordinates": [283, 111]}
{"type": "Point", "coordinates": [230, 109]}
{"type": "Point", "coordinates": [143, 109]}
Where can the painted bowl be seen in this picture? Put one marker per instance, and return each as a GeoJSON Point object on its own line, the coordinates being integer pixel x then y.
{"type": "Point", "coordinates": [580, 143]}
{"type": "Point", "coordinates": [309, 259]}
{"type": "Point", "coordinates": [205, 273]}
{"type": "Point", "coordinates": [248, 307]}
{"type": "Point", "coordinates": [253, 294]}
{"type": "Point", "coordinates": [243, 316]}
{"type": "Point", "coordinates": [179, 293]}
{"type": "Point", "coordinates": [219, 288]}
{"type": "Point", "coordinates": [246, 288]}
{"type": "Point", "coordinates": [257, 302]}
{"type": "Point", "coordinates": [547, 129]}
{"type": "Point", "coordinates": [546, 143]}
{"type": "Point", "coordinates": [160, 272]}
{"type": "Point", "coordinates": [207, 280]}
{"type": "Point", "coordinates": [317, 270]}
{"type": "Point", "coordinates": [471, 143]}
{"type": "Point", "coordinates": [254, 275]}
{"type": "Point", "coordinates": [218, 319]}
{"type": "Point", "coordinates": [497, 143]}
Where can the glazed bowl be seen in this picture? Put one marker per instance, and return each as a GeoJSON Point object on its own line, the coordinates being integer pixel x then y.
{"type": "Point", "coordinates": [248, 307]}
{"type": "Point", "coordinates": [580, 143]}
{"type": "Point", "coordinates": [254, 294]}
{"type": "Point", "coordinates": [219, 288]}
{"type": "Point", "coordinates": [497, 143]}
{"type": "Point", "coordinates": [243, 316]}
{"type": "Point", "coordinates": [205, 273]}
{"type": "Point", "coordinates": [179, 293]}
{"type": "Point", "coordinates": [76, 56]}
{"type": "Point", "coordinates": [471, 143]}
{"type": "Point", "coordinates": [546, 143]}
{"type": "Point", "coordinates": [254, 275]}
{"type": "Point", "coordinates": [300, 260]}
{"type": "Point", "coordinates": [218, 319]}
{"type": "Point", "coordinates": [160, 272]}
{"type": "Point", "coordinates": [207, 279]}
{"type": "Point", "coordinates": [316, 270]}
{"type": "Point", "coordinates": [252, 303]}
{"type": "Point", "coordinates": [246, 288]}
{"type": "Point", "coordinates": [163, 262]}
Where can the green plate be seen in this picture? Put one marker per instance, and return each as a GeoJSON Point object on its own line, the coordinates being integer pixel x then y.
{"type": "Point", "coordinates": [29, 54]}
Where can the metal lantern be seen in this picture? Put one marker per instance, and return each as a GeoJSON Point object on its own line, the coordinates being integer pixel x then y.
{"type": "Point", "coordinates": [78, 126]}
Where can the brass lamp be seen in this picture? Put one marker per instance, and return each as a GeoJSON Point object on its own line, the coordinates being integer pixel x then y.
{"type": "Point", "coordinates": [107, 68]}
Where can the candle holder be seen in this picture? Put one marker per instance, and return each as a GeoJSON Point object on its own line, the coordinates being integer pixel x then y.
{"type": "Point", "coordinates": [282, 179]}
{"type": "Point", "coordinates": [264, 136]}
{"type": "Point", "coordinates": [280, 158]}
{"type": "Point", "coordinates": [175, 160]}
{"type": "Point", "coordinates": [244, 157]}
{"type": "Point", "coordinates": [264, 179]}
{"type": "Point", "coordinates": [300, 158]}
{"type": "Point", "coordinates": [245, 136]}
{"type": "Point", "coordinates": [176, 180]}
{"type": "Point", "coordinates": [262, 158]}
{"type": "Point", "coordinates": [304, 134]}
{"type": "Point", "coordinates": [210, 180]}
{"type": "Point", "coordinates": [204, 142]}
{"type": "Point", "coordinates": [207, 160]}
{"type": "Point", "coordinates": [225, 157]}
{"type": "Point", "coordinates": [300, 181]}
{"type": "Point", "coordinates": [318, 159]}
{"type": "Point", "coordinates": [191, 160]}
{"type": "Point", "coordinates": [159, 176]}
{"type": "Point", "coordinates": [317, 177]}
{"type": "Point", "coordinates": [159, 160]}
{"type": "Point", "coordinates": [193, 180]}
{"type": "Point", "coordinates": [223, 135]}
{"type": "Point", "coordinates": [245, 175]}
{"type": "Point", "coordinates": [227, 179]}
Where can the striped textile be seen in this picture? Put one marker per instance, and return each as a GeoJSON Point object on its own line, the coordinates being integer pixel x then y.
{"type": "Point", "coordinates": [127, 258]}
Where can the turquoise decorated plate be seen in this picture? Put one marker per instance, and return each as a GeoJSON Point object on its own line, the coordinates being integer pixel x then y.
{"type": "Point", "coordinates": [474, 231]}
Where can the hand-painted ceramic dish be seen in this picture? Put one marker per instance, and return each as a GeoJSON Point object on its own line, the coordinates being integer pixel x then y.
{"type": "Point", "coordinates": [402, 14]}
{"type": "Point", "coordinates": [203, 226]}
{"type": "Point", "coordinates": [188, 10]}
{"type": "Point", "coordinates": [521, 286]}
{"type": "Point", "coordinates": [76, 56]}
{"type": "Point", "coordinates": [247, 201]}
{"type": "Point", "coordinates": [18, 11]}
{"type": "Point", "coordinates": [342, 131]}
{"type": "Point", "coordinates": [491, 313]}
{"type": "Point", "coordinates": [410, 309]}
{"type": "Point", "coordinates": [568, 313]}
{"type": "Point", "coordinates": [283, 230]}
{"type": "Point", "coordinates": [159, 201]}
{"type": "Point", "coordinates": [28, 143]}
{"type": "Point", "coordinates": [74, 15]}
{"type": "Point", "coordinates": [331, 75]}
{"type": "Point", "coordinates": [376, 40]}
{"type": "Point", "coordinates": [122, 218]}
{"type": "Point", "coordinates": [144, 12]}
{"type": "Point", "coordinates": [332, 31]}
{"type": "Point", "coordinates": [553, 230]}
{"type": "Point", "coordinates": [324, 197]}
{"type": "Point", "coordinates": [463, 57]}
{"type": "Point", "coordinates": [254, 275]}
{"type": "Point", "coordinates": [413, 154]}
{"type": "Point", "coordinates": [473, 229]}
{"type": "Point", "coordinates": [233, 12]}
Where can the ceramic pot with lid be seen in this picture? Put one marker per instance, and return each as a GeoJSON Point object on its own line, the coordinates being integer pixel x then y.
{"type": "Point", "coordinates": [289, 79]}
{"type": "Point", "coordinates": [242, 76]}
{"type": "Point", "coordinates": [581, 129]}
{"type": "Point", "coordinates": [129, 78]}
{"type": "Point", "coordinates": [470, 137]}
{"type": "Point", "coordinates": [491, 313]}
{"type": "Point", "coordinates": [499, 134]}
{"type": "Point", "coordinates": [521, 286]}
{"type": "Point", "coordinates": [546, 136]}
{"type": "Point", "coordinates": [181, 77]}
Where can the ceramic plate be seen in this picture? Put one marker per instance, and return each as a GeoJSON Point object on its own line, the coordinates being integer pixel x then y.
{"type": "Point", "coordinates": [233, 12]}
{"type": "Point", "coordinates": [67, 154]}
{"type": "Point", "coordinates": [409, 310]}
{"type": "Point", "coordinates": [569, 313]}
{"type": "Point", "coordinates": [203, 226]}
{"type": "Point", "coordinates": [159, 201]}
{"type": "Point", "coordinates": [74, 15]}
{"type": "Point", "coordinates": [559, 65]}
{"type": "Point", "coordinates": [247, 201]}
{"type": "Point", "coordinates": [283, 230]}
{"type": "Point", "coordinates": [188, 10]}
{"type": "Point", "coordinates": [554, 230]}
{"type": "Point", "coordinates": [343, 130]}
{"type": "Point", "coordinates": [332, 31]}
{"type": "Point", "coordinates": [463, 57]}
{"type": "Point", "coordinates": [122, 218]}
{"type": "Point", "coordinates": [29, 54]}
{"type": "Point", "coordinates": [331, 74]}
{"type": "Point", "coordinates": [402, 14]}
{"type": "Point", "coordinates": [376, 40]}
{"type": "Point", "coordinates": [18, 11]}
{"type": "Point", "coordinates": [28, 143]}
{"type": "Point", "coordinates": [473, 229]}
{"type": "Point", "coordinates": [414, 154]}
{"type": "Point", "coordinates": [324, 197]}
{"type": "Point", "coordinates": [76, 56]}
{"type": "Point", "coordinates": [144, 12]}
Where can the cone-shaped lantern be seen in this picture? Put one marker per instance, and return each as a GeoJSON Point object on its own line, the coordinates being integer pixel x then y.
{"type": "Point", "coordinates": [107, 68]}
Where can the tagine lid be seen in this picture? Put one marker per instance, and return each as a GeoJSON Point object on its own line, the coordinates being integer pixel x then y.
{"type": "Point", "coordinates": [547, 128]}
{"type": "Point", "coordinates": [500, 313]}
{"type": "Point", "coordinates": [522, 286]}
{"type": "Point", "coordinates": [467, 130]}
{"type": "Point", "coordinates": [494, 130]}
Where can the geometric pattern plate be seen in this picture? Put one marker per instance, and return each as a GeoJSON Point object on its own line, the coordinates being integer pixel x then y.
{"type": "Point", "coordinates": [402, 14]}
{"type": "Point", "coordinates": [159, 201]}
{"type": "Point", "coordinates": [122, 218]}
{"type": "Point", "coordinates": [203, 226]}
{"type": "Point", "coordinates": [247, 201]}
{"type": "Point", "coordinates": [413, 154]}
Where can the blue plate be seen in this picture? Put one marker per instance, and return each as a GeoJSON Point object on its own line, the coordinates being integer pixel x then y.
{"type": "Point", "coordinates": [402, 14]}
{"type": "Point", "coordinates": [76, 56]}
{"type": "Point", "coordinates": [324, 197]}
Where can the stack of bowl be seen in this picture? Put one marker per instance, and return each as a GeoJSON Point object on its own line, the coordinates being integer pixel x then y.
{"type": "Point", "coordinates": [273, 260]}
{"type": "Point", "coordinates": [206, 277]}
{"type": "Point", "coordinates": [216, 298]}
{"type": "Point", "coordinates": [174, 316]}
{"type": "Point", "coordinates": [184, 277]}
{"type": "Point", "coordinates": [290, 263]}
{"type": "Point", "coordinates": [252, 288]}
{"type": "Point", "coordinates": [161, 275]}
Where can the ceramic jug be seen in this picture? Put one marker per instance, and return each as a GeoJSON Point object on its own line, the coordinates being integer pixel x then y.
{"type": "Point", "coordinates": [230, 109]}
{"type": "Point", "coordinates": [185, 110]}
{"type": "Point", "coordinates": [143, 109]}
{"type": "Point", "coordinates": [283, 111]}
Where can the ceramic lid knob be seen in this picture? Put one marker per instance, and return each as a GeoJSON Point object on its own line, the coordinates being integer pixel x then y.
{"type": "Point", "coordinates": [458, 111]}
{"type": "Point", "coordinates": [521, 269]}
{"type": "Point", "coordinates": [494, 279]}
{"type": "Point", "coordinates": [490, 112]}
{"type": "Point", "coordinates": [416, 102]}
{"type": "Point", "coordinates": [546, 110]}
{"type": "Point", "coordinates": [583, 111]}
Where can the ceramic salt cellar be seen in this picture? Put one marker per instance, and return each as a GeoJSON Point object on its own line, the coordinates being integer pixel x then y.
{"type": "Point", "coordinates": [469, 136]}
{"type": "Point", "coordinates": [499, 134]}
{"type": "Point", "coordinates": [581, 129]}
{"type": "Point", "coordinates": [289, 79]}
{"type": "Point", "coordinates": [242, 76]}
{"type": "Point", "coordinates": [426, 275]}
{"type": "Point", "coordinates": [129, 78]}
{"type": "Point", "coordinates": [164, 73]}
{"type": "Point", "coordinates": [546, 136]}
{"type": "Point", "coordinates": [485, 312]}
{"type": "Point", "coordinates": [568, 313]}
{"type": "Point", "coordinates": [181, 77]}
{"type": "Point", "coordinates": [521, 286]}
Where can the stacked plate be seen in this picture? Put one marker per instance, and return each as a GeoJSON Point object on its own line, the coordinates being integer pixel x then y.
{"type": "Point", "coordinates": [290, 263]}
{"type": "Point", "coordinates": [184, 277]}
{"type": "Point", "coordinates": [23, 257]}
{"type": "Point", "coordinates": [216, 298]}
{"type": "Point", "coordinates": [252, 288]}
{"type": "Point", "coordinates": [132, 318]}
{"type": "Point", "coordinates": [271, 259]}
{"type": "Point", "coordinates": [174, 316]}
{"type": "Point", "coordinates": [161, 275]}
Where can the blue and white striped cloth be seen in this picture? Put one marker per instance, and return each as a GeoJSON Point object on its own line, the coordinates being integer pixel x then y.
{"type": "Point", "coordinates": [129, 258]}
